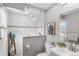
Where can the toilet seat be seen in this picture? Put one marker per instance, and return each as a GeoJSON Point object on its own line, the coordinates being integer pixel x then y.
{"type": "Point", "coordinates": [42, 54]}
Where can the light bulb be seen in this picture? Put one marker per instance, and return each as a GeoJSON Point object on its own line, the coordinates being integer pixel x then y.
{"type": "Point", "coordinates": [35, 18]}
{"type": "Point", "coordinates": [26, 12]}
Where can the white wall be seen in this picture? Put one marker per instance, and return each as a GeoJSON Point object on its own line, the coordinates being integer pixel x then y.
{"type": "Point", "coordinates": [0, 13]}
{"type": "Point", "coordinates": [15, 19]}
{"type": "Point", "coordinates": [53, 14]}
{"type": "Point", "coordinates": [3, 17]}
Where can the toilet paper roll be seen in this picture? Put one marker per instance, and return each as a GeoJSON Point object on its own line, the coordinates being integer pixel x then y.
{"type": "Point", "coordinates": [27, 48]}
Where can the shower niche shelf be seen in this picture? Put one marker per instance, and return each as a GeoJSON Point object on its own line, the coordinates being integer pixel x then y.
{"type": "Point", "coordinates": [11, 26]}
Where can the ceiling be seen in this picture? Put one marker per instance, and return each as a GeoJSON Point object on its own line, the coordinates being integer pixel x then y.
{"type": "Point", "coordinates": [21, 6]}
{"type": "Point", "coordinates": [44, 6]}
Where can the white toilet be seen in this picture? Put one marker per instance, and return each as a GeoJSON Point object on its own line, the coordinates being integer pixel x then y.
{"type": "Point", "coordinates": [48, 48]}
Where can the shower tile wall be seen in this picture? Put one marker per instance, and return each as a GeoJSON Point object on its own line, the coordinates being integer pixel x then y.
{"type": "Point", "coordinates": [15, 19]}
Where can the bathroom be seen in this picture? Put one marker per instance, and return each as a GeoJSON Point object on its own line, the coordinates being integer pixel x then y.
{"type": "Point", "coordinates": [28, 26]}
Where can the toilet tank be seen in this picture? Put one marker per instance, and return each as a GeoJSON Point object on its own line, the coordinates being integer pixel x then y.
{"type": "Point", "coordinates": [48, 47]}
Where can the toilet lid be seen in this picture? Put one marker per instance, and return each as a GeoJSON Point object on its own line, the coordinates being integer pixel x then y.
{"type": "Point", "coordinates": [42, 54]}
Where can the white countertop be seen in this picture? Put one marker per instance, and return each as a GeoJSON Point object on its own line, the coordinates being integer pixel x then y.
{"type": "Point", "coordinates": [63, 52]}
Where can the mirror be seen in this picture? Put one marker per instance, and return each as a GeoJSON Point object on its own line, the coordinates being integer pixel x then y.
{"type": "Point", "coordinates": [69, 27]}
{"type": "Point", "coordinates": [1, 37]}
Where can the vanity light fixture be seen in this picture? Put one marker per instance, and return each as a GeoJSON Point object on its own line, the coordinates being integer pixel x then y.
{"type": "Point", "coordinates": [27, 10]}
{"type": "Point", "coordinates": [32, 13]}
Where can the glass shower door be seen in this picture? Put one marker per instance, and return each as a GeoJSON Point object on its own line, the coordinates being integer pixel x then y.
{"type": "Point", "coordinates": [3, 42]}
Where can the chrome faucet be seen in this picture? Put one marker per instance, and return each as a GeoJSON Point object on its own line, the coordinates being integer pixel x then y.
{"type": "Point", "coordinates": [72, 48]}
